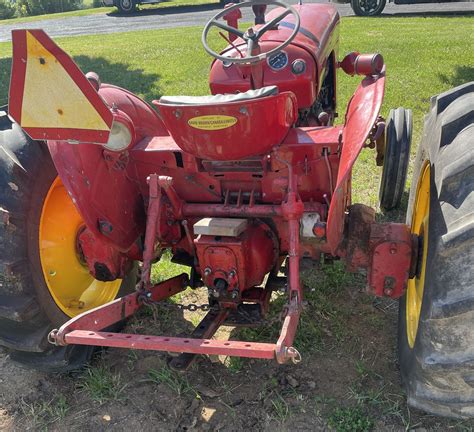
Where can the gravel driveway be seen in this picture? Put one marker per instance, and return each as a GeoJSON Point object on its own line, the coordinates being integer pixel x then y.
{"type": "Point", "coordinates": [188, 16]}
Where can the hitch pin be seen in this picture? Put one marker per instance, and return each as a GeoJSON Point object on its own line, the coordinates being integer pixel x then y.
{"type": "Point", "coordinates": [292, 354]}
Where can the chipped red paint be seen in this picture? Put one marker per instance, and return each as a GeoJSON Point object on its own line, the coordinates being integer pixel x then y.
{"type": "Point", "coordinates": [362, 112]}
{"type": "Point", "coordinates": [104, 316]}
{"type": "Point", "coordinates": [173, 344]}
{"type": "Point", "coordinates": [315, 43]}
{"type": "Point", "coordinates": [214, 144]}
{"type": "Point", "coordinates": [271, 166]}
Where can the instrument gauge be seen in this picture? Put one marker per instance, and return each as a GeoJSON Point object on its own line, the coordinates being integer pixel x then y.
{"type": "Point", "coordinates": [278, 61]}
{"type": "Point", "coordinates": [227, 63]}
{"type": "Point", "coordinates": [298, 66]}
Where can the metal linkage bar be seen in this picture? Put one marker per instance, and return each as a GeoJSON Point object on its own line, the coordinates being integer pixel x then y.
{"type": "Point", "coordinates": [222, 210]}
{"type": "Point", "coordinates": [87, 328]}
{"type": "Point", "coordinates": [205, 330]}
{"type": "Point", "coordinates": [284, 347]}
{"type": "Point", "coordinates": [172, 344]}
{"type": "Point", "coordinates": [292, 210]}
{"type": "Point", "coordinates": [117, 310]}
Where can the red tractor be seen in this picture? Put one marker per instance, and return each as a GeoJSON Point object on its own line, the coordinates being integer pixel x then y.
{"type": "Point", "coordinates": [242, 186]}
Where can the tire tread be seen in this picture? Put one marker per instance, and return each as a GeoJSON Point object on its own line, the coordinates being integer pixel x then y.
{"type": "Point", "coordinates": [440, 377]}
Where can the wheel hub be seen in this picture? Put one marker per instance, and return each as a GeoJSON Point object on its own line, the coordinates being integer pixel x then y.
{"type": "Point", "coordinates": [67, 277]}
{"type": "Point", "coordinates": [419, 227]}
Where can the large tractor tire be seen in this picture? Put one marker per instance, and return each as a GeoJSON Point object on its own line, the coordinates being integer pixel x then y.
{"type": "Point", "coordinates": [436, 315]}
{"type": "Point", "coordinates": [43, 282]}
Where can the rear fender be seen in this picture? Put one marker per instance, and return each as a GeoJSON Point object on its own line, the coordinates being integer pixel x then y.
{"type": "Point", "coordinates": [52, 100]}
{"type": "Point", "coordinates": [362, 112]}
{"type": "Point", "coordinates": [100, 180]}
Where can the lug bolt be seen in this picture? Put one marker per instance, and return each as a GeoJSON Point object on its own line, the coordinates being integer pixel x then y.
{"type": "Point", "coordinates": [105, 227]}
{"type": "Point", "coordinates": [393, 248]}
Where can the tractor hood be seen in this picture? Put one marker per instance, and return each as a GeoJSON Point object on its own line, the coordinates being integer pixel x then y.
{"type": "Point", "coordinates": [315, 42]}
{"type": "Point", "coordinates": [318, 22]}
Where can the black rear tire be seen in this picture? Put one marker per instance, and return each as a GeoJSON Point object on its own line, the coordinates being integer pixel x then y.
{"type": "Point", "coordinates": [368, 8]}
{"type": "Point", "coordinates": [27, 310]}
{"type": "Point", "coordinates": [438, 370]}
{"type": "Point", "coordinates": [396, 157]}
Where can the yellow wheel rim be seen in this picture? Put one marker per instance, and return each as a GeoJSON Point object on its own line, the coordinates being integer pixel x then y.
{"type": "Point", "coordinates": [419, 226]}
{"type": "Point", "coordinates": [71, 285]}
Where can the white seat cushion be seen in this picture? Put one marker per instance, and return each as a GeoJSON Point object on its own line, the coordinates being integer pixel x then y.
{"type": "Point", "coordinates": [220, 98]}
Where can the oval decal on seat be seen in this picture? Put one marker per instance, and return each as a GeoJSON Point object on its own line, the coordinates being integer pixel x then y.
{"type": "Point", "coordinates": [212, 122]}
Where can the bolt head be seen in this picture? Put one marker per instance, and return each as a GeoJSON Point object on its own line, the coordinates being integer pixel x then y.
{"type": "Point", "coordinates": [319, 230]}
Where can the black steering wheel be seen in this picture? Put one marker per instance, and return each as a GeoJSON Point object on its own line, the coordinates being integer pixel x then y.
{"type": "Point", "coordinates": [251, 36]}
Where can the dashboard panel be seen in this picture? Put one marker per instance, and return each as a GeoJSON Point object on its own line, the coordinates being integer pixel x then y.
{"type": "Point", "coordinates": [292, 69]}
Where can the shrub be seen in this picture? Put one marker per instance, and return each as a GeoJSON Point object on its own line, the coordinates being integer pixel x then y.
{"type": "Point", "coordinates": [6, 9]}
{"type": "Point", "coordinates": [38, 7]}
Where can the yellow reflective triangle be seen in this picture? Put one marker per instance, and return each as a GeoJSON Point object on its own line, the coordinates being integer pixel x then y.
{"type": "Point", "coordinates": [51, 99]}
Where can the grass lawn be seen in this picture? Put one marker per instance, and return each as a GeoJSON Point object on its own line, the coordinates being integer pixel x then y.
{"type": "Point", "coordinates": [103, 10]}
{"type": "Point", "coordinates": [424, 56]}
{"type": "Point", "coordinates": [80, 12]}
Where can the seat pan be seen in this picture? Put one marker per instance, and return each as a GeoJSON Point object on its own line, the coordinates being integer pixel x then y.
{"type": "Point", "coordinates": [229, 127]}
{"type": "Point", "coordinates": [219, 98]}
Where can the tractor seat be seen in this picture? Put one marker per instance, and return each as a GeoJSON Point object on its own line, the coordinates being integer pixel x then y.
{"type": "Point", "coordinates": [229, 126]}
{"type": "Point", "coordinates": [220, 98]}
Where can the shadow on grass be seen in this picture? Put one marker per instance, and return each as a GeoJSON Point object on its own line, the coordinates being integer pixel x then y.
{"type": "Point", "coordinates": [120, 74]}
{"type": "Point", "coordinates": [462, 74]}
{"type": "Point", "coordinates": [168, 10]}
{"type": "Point", "coordinates": [395, 215]}
{"type": "Point", "coordinates": [431, 14]}
{"type": "Point", "coordinates": [135, 80]}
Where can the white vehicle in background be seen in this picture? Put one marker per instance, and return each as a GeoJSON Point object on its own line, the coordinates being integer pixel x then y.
{"type": "Point", "coordinates": [129, 6]}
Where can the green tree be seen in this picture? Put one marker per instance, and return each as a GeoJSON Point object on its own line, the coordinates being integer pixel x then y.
{"type": "Point", "coordinates": [6, 9]}
{"type": "Point", "coordinates": [39, 7]}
